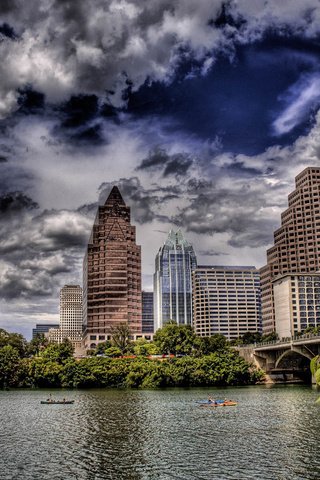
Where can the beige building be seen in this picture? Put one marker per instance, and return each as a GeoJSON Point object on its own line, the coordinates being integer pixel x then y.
{"type": "Point", "coordinates": [226, 300]}
{"type": "Point", "coordinates": [296, 303]}
{"type": "Point", "coordinates": [296, 243]}
{"type": "Point", "coordinates": [111, 273]}
{"type": "Point", "coordinates": [70, 316]}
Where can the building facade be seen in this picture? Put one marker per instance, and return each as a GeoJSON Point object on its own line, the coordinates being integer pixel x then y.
{"type": "Point", "coordinates": [111, 273]}
{"type": "Point", "coordinates": [71, 309]}
{"type": "Point", "coordinates": [147, 313]}
{"type": "Point", "coordinates": [174, 264]}
{"type": "Point", "coordinates": [43, 328]}
{"type": "Point", "coordinates": [296, 243]}
{"type": "Point", "coordinates": [226, 300]}
{"type": "Point", "coordinates": [296, 303]}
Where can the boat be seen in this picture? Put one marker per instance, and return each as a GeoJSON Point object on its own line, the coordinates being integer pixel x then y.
{"type": "Point", "coordinates": [57, 402]}
{"type": "Point", "coordinates": [218, 403]}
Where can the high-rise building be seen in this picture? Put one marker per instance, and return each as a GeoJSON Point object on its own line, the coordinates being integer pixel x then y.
{"type": "Point", "coordinates": [296, 303]}
{"type": "Point", "coordinates": [226, 300]}
{"type": "Point", "coordinates": [296, 243]}
{"type": "Point", "coordinates": [174, 264]}
{"type": "Point", "coordinates": [70, 316]}
{"type": "Point", "coordinates": [147, 312]}
{"type": "Point", "coordinates": [71, 311]}
{"type": "Point", "coordinates": [43, 328]}
{"type": "Point", "coordinates": [111, 273]}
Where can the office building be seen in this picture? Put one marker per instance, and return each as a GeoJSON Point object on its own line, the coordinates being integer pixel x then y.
{"type": "Point", "coordinates": [111, 273]}
{"type": "Point", "coordinates": [174, 264]}
{"type": "Point", "coordinates": [70, 316]}
{"type": "Point", "coordinates": [43, 328]}
{"type": "Point", "coordinates": [147, 312]}
{"type": "Point", "coordinates": [296, 243]}
{"type": "Point", "coordinates": [296, 303]}
{"type": "Point", "coordinates": [226, 300]}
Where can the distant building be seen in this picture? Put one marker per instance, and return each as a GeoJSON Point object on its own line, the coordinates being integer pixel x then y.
{"type": "Point", "coordinates": [111, 273]}
{"type": "Point", "coordinates": [43, 328]}
{"type": "Point", "coordinates": [147, 312]}
{"type": "Point", "coordinates": [226, 300]}
{"type": "Point", "coordinates": [70, 316]}
{"type": "Point", "coordinates": [174, 264]}
{"type": "Point", "coordinates": [296, 303]}
{"type": "Point", "coordinates": [296, 243]}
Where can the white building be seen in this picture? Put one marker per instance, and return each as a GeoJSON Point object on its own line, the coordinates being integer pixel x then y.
{"type": "Point", "coordinates": [70, 316]}
{"type": "Point", "coordinates": [226, 300]}
{"type": "Point", "coordinates": [296, 303]}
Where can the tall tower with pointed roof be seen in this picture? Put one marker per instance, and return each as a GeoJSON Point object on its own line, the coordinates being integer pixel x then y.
{"type": "Point", "coordinates": [175, 262]}
{"type": "Point", "coordinates": [111, 273]}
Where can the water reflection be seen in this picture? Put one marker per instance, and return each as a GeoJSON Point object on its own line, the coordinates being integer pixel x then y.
{"type": "Point", "coordinates": [160, 435]}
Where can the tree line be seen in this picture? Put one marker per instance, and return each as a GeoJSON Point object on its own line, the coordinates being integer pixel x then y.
{"type": "Point", "coordinates": [191, 361]}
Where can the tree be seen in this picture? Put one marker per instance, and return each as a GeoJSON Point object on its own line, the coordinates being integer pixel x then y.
{"type": "Point", "coordinates": [9, 363]}
{"type": "Point", "coordinates": [121, 336]}
{"type": "Point", "coordinates": [38, 343]}
{"type": "Point", "coordinates": [207, 345]}
{"type": "Point", "coordinates": [16, 340]}
{"type": "Point", "coordinates": [58, 352]}
{"type": "Point", "coordinates": [113, 352]}
{"type": "Point", "coordinates": [143, 347]}
{"type": "Point", "coordinates": [102, 347]}
{"type": "Point", "coordinates": [175, 339]}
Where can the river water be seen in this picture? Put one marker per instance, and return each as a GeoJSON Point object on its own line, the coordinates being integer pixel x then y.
{"type": "Point", "coordinates": [273, 433]}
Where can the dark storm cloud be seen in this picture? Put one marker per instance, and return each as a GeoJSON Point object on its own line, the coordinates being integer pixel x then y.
{"type": "Point", "coordinates": [67, 48]}
{"type": "Point", "coordinates": [143, 202]}
{"type": "Point", "coordinates": [158, 159]}
{"type": "Point", "coordinates": [38, 252]}
{"type": "Point", "coordinates": [7, 31]}
{"type": "Point", "coordinates": [15, 202]}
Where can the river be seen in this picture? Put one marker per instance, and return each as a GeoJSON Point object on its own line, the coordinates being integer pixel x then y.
{"type": "Point", "coordinates": [273, 433]}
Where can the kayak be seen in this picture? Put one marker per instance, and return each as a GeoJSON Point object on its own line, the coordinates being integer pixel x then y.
{"type": "Point", "coordinates": [57, 402]}
{"type": "Point", "coordinates": [219, 404]}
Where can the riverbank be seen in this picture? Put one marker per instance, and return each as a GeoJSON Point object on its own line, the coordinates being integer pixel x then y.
{"type": "Point", "coordinates": [217, 369]}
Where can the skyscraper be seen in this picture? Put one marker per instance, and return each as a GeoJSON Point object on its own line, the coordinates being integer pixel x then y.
{"type": "Point", "coordinates": [147, 312]}
{"type": "Point", "coordinates": [296, 243]}
{"type": "Point", "coordinates": [111, 273]}
{"type": "Point", "coordinates": [174, 264]}
{"type": "Point", "coordinates": [70, 316]}
{"type": "Point", "coordinates": [226, 300]}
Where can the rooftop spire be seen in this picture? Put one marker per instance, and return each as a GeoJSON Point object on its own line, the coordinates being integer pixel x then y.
{"type": "Point", "coordinates": [115, 197]}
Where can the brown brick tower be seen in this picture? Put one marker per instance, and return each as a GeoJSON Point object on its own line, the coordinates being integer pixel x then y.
{"type": "Point", "coordinates": [111, 273]}
{"type": "Point", "coordinates": [296, 243]}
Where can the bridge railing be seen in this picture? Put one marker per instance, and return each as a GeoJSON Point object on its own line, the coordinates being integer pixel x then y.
{"type": "Point", "coordinates": [293, 339]}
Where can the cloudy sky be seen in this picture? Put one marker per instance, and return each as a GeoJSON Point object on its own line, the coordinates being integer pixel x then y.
{"type": "Point", "coordinates": [201, 112]}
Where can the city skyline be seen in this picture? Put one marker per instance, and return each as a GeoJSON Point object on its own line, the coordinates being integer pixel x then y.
{"type": "Point", "coordinates": [202, 114]}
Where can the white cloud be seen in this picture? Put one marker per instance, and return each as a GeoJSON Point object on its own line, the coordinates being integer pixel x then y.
{"type": "Point", "coordinates": [301, 99]}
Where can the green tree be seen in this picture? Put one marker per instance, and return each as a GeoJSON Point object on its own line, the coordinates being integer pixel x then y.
{"type": "Point", "coordinates": [121, 337]}
{"type": "Point", "coordinates": [102, 347]}
{"type": "Point", "coordinates": [113, 351]}
{"type": "Point", "coordinates": [207, 345]}
{"type": "Point", "coordinates": [58, 352]}
{"type": "Point", "coordinates": [15, 340]}
{"type": "Point", "coordinates": [38, 343]}
{"type": "Point", "coordinates": [144, 347]}
{"type": "Point", "coordinates": [9, 365]}
{"type": "Point", "coordinates": [175, 339]}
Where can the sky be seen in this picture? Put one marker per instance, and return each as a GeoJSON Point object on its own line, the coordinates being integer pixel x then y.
{"type": "Point", "coordinates": [201, 112]}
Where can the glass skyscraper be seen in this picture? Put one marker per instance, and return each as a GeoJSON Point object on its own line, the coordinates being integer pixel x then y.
{"type": "Point", "coordinates": [175, 262]}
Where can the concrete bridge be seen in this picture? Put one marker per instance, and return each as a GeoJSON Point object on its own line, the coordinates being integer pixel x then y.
{"type": "Point", "coordinates": [287, 360]}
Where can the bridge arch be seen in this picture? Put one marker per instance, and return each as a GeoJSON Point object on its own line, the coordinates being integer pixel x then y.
{"type": "Point", "coordinates": [293, 350]}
